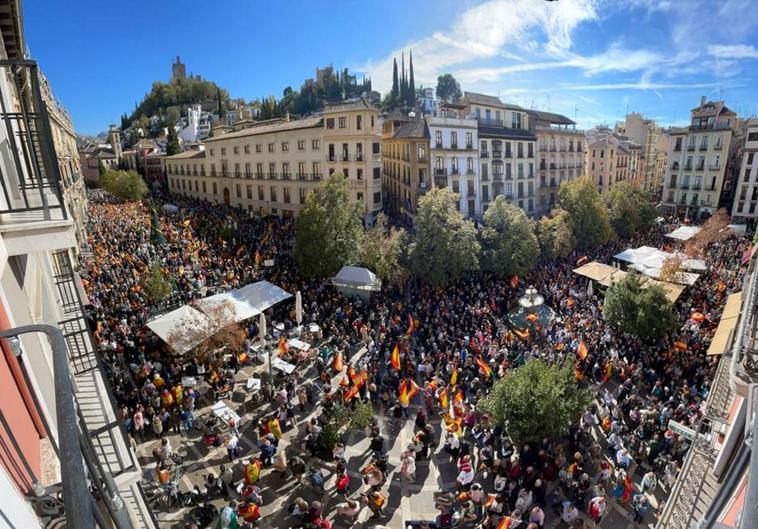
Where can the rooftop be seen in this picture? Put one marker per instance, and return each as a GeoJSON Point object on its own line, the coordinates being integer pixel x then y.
{"type": "Point", "coordinates": [415, 128]}
{"type": "Point", "coordinates": [306, 123]}
{"type": "Point", "coordinates": [550, 117]}
{"type": "Point", "coordinates": [484, 99]}
{"type": "Point", "coordinates": [360, 104]}
{"type": "Point", "coordinates": [187, 155]}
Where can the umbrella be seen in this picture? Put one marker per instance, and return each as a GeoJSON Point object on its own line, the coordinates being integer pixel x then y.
{"type": "Point", "coordinates": [590, 289]}
{"type": "Point", "coordinates": [298, 307]}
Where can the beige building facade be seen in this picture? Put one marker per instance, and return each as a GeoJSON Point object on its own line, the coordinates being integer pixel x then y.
{"type": "Point", "coordinates": [746, 193]}
{"type": "Point", "coordinates": [610, 159]}
{"type": "Point", "coordinates": [643, 132]}
{"type": "Point", "coordinates": [270, 167]}
{"type": "Point", "coordinates": [405, 164]}
{"type": "Point", "coordinates": [698, 160]}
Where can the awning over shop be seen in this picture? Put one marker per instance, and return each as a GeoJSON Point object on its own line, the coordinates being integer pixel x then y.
{"type": "Point", "coordinates": [172, 328]}
{"type": "Point", "coordinates": [595, 271]}
{"type": "Point", "coordinates": [729, 318]}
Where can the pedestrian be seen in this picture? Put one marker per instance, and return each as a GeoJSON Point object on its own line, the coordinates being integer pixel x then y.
{"type": "Point", "coordinates": [641, 506]}
{"type": "Point", "coordinates": [231, 442]}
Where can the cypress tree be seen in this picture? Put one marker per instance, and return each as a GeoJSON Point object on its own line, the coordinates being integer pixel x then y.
{"type": "Point", "coordinates": [395, 86]}
{"type": "Point", "coordinates": [412, 86]}
{"type": "Point", "coordinates": [403, 82]}
{"type": "Point", "coordinates": [220, 104]}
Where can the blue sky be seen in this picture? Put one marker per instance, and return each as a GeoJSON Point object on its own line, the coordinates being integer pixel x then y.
{"type": "Point", "coordinates": [593, 59]}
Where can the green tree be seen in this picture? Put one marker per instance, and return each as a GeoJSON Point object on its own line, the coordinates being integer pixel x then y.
{"type": "Point", "coordinates": [448, 88]}
{"type": "Point", "coordinates": [342, 420]}
{"type": "Point", "coordinates": [445, 245]}
{"type": "Point", "coordinates": [411, 103]}
{"type": "Point", "coordinates": [554, 235]}
{"type": "Point", "coordinates": [536, 400]}
{"type": "Point", "coordinates": [380, 250]}
{"type": "Point", "coordinates": [588, 215]}
{"type": "Point", "coordinates": [639, 308]}
{"type": "Point", "coordinates": [631, 209]}
{"type": "Point", "coordinates": [328, 231]}
{"type": "Point", "coordinates": [220, 103]}
{"type": "Point", "coordinates": [509, 245]}
{"type": "Point", "coordinates": [172, 141]}
{"type": "Point", "coordinates": [125, 185]}
{"type": "Point", "coordinates": [100, 168]}
{"type": "Point", "coordinates": [395, 83]}
{"type": "Point", "coordinates": [157, 285]}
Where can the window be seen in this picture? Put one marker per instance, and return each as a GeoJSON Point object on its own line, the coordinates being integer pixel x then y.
{"type": "Point", "coordinates": [509, 189]}
{"type": "Point", "coordinates": [469, 140]}
{"type": "Point", "coordinates": [223, 151]}
{"type": "Point", "coordinates": [453, 139]}
{"type": "Point", "coordinates": [236, 150]}
{"type": "Point", "coordinates": [516, 120]}
{"type": "Point", "coordinates": [456, 186]}
{"type": "Point", "coordinates": [485, 193]}
{"type": "Point", "coordinates": [197, 187]}
{"type": "Point", "coordinates": [259, 148]}
{"type": "Point", "coordinates": [301, 169]}
{"type": "Point", "coordinates": [249, 192]}
{"type": "Point", "coordinates": [300, 145]}
{"type": "Point", "coordinates": [204, 189]}
{"type": "Point", "coordinates": [329, 123]}
{"type": "Point", "coordinates": [286, 195]}
{"type": "Point", "coordinates": [438, 139]}
{"type": "Point", "coordinates": [302, 196]}
{"type": "Point", "coordinates": [285, 146]}
{"type": "Point", "coordinates": [359, 174]}
{"type": "Point", "coordinates": [378, 197]}
{"type": "Point", "coordinates": [315, 144]}
{"type": "Point", "coordinates": [602, 153]}
{"type": "Point", "coordinates": [372, 122]}
{"type": "Point", "coordinates": [346, 172]}
{"type": "Point", "coordinates": [342, 122]}
{"type": "Point", "coordinates": [259, 170]}
{"type": "Point", "coordinates": [215, 189]}
{"type": "Point", "coordinates": [438, 165]}
{"type": "Point", "coordinates": [247, 148]}
{"type": "Point", "coordinates": [531, 150]}
{"type": "Point", "coordinates": [422, 153]}
{"type": "Point", "coordinates": [273, 194]}
{"type": "Point", "coordinates": [470, 165]}
{"type": "Point", "coordinates": [376, 148]}
{"type": "Point", "coordinates": [211, 152]}
{"type": "Point", "coordinates": [239, 191]}
{"type": "Point", "coordinates": [271, 147]}
{"type": "Point", "coordinates": [358, 122]}
{"type": "Point", "coordinates": [483, 147]}
{"type": "Point", "coordinates": [271, 169]}
{"type": "Point", "coordinates": [248, 174]}
{"type": "Point", "coordinates": [237, 170]}
{"type": "Point", "coordinates": [377, 173]}
{"type": "Point", "coordinates": [750, 158]}
{"type": "Point", "coordinates": [520, 149]}
{"type": "Point", "coordinates": [359, 197]}
{"type": "Point", "coordinates": [454, 164]}
{"type": "Point", "coordinates": [285, 169]}
{"type": "Point", "coordinates": [752, 136]}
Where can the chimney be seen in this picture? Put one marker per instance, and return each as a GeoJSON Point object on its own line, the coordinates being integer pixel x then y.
{"type": "Point", "coordinates": [702, 100]}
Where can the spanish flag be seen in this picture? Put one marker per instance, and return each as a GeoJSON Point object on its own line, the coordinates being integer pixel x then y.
{"type": "Point", "coordinates": [240, 250]}
{"type": "Point", "coordinates": [360, 379]}
{"type": "Point", "coordinates": [680, 345]}
{"type": "Point", "coordinates": [413, 389]}
{"type": "Point", "coordinates": [283, 347]}
{"type": "Point", "coordinates": [186, 223]}
{"type": "Point", "coordinates": [411, 327]}
{"type": "Point", "coordinates": [521, 334]}
{"type": "Point", "coordinates": [582, 350]}
{"type": "Point", "coordinates": [351, 393]}
{"type": "Point", "coordinates": [404, 395]}
{"type": "Point", "coordinates": [486, 369]}
{"type": "Point", "coordinates": [454, 377]}
{"type": "Point", "coordinates": [344, 382]}
{"type": "Point", "coordinates": [444, 398]}
{"type": "Point", "coordinates": [583, 259]}
{"type": "Point", "coordinates": [458, 397]}
{"type": "Point", "coordinates": [338, 364]}
{"type": "Point", "coordinates": [505, 523]}
{"type": "Point", "coordinates": [258, 258]}
{"type": "Point", "coordinates": [395, 358]}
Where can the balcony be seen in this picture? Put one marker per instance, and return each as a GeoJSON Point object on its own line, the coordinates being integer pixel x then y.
{"type": "Point", "coordinates": [331, 157]}
{"type": "Point", "coordinates": [470, 171]}
{"type": "Point", "coordinates": [469, 146]}
{"type": "Point", "coordinates": [485, 178]}
{"type": "Point", "coordinates": [696, 187]}
{"type": "Point", "coordinates": [359, 157]}
{"type": "Point", "coordinates": [497, 154]}
{"type": "Point", "coordinates": [497, 177]}
{"type": "Point", "coordinates": [248, 175]}
{"type": "Point", "coordinates": [700, 167]}
{"type": "Point", "coordinates": [489, 122]}
{"type": "Point", "coordinates": [688, 167]}
{"type": "Point", "coordinates": [438, 145]}
{"type": "Point", "coordinates": [690, 148]}
{"type": "Point", "coordinates": [345, 157]}
{"type": "Point", "coordinates": [508, 154]}
{"type": "Point", "coordinates": [454, 170]}
{"type": "Point", "coordinates": [286, 176]}
{"type": "Point", "coordinates": [440, 172]}
{"type": "Point", "coordinates": [259, 176]}
{"type": "Point", "coordinates": [484, 154]}
{"type": "Point", "coordinates": [677, 148]}
{"type": "Point", "coordinates": [316, 177]}
{"type": "Point", "coordinates": [714, 167]}
{"type": "Point", "coordinates": [685, 185]}
{"type": "Point", "coordinates": [704, 147]}
{"type": "Point", "coordinates": [454, 146]}
{"type": "Point", "coordinates": [272, 176]}
{"type": "Point", "coordinates": [237, 174]}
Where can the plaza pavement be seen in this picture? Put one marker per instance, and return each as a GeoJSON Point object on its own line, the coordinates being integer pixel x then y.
{"type": "Point", "coordinates": [405, 501]}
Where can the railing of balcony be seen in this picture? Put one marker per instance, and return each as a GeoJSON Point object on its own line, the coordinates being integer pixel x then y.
{"type": "Point", "coordinates": [33, 186]}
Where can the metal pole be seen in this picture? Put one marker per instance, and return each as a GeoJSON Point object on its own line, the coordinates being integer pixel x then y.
{"type": "Point", "coordinates": [750, 507]}
{"type": "Point", "coordinates": [76, 497]}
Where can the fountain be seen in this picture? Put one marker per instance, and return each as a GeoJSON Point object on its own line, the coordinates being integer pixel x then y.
{"type": "Point", "coordinates": [532, 313]}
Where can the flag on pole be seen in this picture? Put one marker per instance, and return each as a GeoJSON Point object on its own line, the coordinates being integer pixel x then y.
{"type": "Point", "coordinates": [582, 351]}
{"type": "Point", "coordinates": [283, 347]}
{"type": "Point", "coordinates": [411, 327]}
{"type": "Point", "coordinates": [458, 397]}
{"type": "Point", "coordinates": [486, 369]}
{"type": "Point", "coordinates": [395, 358]}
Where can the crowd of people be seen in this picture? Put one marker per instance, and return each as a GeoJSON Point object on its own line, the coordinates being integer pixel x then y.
{"type": "Point", "coordinates": [414, 347]}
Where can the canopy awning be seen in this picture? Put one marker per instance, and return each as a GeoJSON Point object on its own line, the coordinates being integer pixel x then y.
{"type": "Point", "coordinates": [595, 271]}
{"type": "Point", "coordinates": [357, 277]}
{"type": "Point", "coordinates": [237, 309]}
{"type": "Point", "coordinates": [729, 319]}
{"type": "Point", "coordinates": [261, 295]}
{"type": "Point", "coordinates": [614, 277]}
{"type": "Point", "coordinates": [183, 329]}
{"type": "Point", "coordinates": [606, 275]}
{"type": "Point", "coordinates": [683, 233]}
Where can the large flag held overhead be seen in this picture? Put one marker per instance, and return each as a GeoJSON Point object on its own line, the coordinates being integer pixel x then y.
{"type": "Point", "coordinates": [338, 364]}
{"type": "Point", "coordinates": [283, 347]}
{"type": "Point", "coordinates": [411, 327]}
{"type": "Point", "coordinates": [582, 351]}
{"type": "Point", "coordinates": [408, 389]}
{"type": "Point", "coordinates": [444, 398]}
{"type": "Point", "coordinates": [483, 366]}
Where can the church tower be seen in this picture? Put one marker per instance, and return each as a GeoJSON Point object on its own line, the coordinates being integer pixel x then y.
{"type": "Point", "coordinates": [178, 71]}
{"type": "Point", "coordinates": [114, 139]}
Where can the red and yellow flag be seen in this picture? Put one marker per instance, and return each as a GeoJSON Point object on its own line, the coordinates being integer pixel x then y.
{"type": "Point", "coordinates": [582, 351]}
{"type": "Point", "coordinates": [521, 334]}
{"type": "Point", "coordinates": [283, 347]}
{"type": "Point", "coordinates": [395, 358]}
{"type": "Point", "coordinates": [411, 327]}
{"type": "Point", "coordinates": [454, 377]}
{"type": "Point", "coordinates": [338, 364]}
{"type": "Point", "coordinates": [583, 259]}
{"type": "Point", "coordinates": [361, 378]}
{"type": "Point", "coordinates": [505, 523]}
{"type": "Point", "coordinates": [483, 366]}
{"type": "Point", "coordinates": [444, 398]}
{"type": "Point", "coordinates": [351, 393]}
{"type": "Point", "coordinates": [258, 258]}
{"type": "Point", "coordinates": [458, 397]}
{"type": "Point", "coordinates": [344, 382]}
{"type": "Point", "coordinates": [680, 345]}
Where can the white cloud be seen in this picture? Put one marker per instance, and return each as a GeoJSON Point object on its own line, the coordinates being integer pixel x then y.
{"type": "Point", "coordinates": [733, 51]}
{"type": "Point", "coordinates": [640, 86]}
{"type": "Point", "coordinates": [484, 32]}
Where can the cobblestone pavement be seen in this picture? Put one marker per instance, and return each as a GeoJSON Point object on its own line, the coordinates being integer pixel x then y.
{"type": "Point", "coordinates": [405, 501]}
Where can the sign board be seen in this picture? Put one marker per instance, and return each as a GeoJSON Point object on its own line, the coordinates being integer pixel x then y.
{"type": "Point", "coordinates": [680, 429]}
{"type": "Point", "coordinates": [268, 262]}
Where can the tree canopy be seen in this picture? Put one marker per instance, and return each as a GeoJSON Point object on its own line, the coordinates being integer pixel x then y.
{"type": "Point", "coordinates": [445, 245]}
{"type": "Point", "coordinates": [638, 308]}
{"type": "Point", "coordinates": [554, 235]}
{"type": "Point", "coordinates": [126, 185]}
{"type": "Point", "coordinates": [157, 285]}
{"type": "Point", "coordinates": [587, 214]}
{"type": "Point", "coordinates": [631, 209]}
{"type": "Point", "coordinates": [178, 94]}
{"type": "Point", "coordinates": [509, 245]}
{"type": "Point", "coordinates": [448, 88]}
{"type": "Point", "coordinates": [536, 400]}
{"type": "Point", "coordinates": [380, 250]}
{"type": "Point", "coordinates": [328, 231]}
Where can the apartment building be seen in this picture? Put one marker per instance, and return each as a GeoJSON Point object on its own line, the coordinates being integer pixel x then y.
{"type": "Point", "coordinates": [662, 147]}
{"type": "Point", "coordinates": [507, 151]}
{"type": "Point", "coordinates": [271, 166]}
{"type": "Point", "coordinates": [95, 154]}
{"type": "Point", "coordinates": [426, 100]}
{"type": "Point", "coordinates": [746, 192]}
{"type": "Point", "coordinates": [698, 161]}
{"type": "Point", "coordinates": [560, 155]}
{"type": "Point", "coordinates": [57, 416]}
{"type": "Point", "coordinates": [643, 132]}
{"type": "Point", "coordinates": [610, 159]}
{"type": "Point", "coordinates": [454, 156]}
{"type": "Point", "coordinates": [405, 163]}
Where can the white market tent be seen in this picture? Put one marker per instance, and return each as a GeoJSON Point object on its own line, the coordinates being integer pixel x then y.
{"type": "Point", "coordinates": [606, 275]}
{"type": "Point", "coordinates": [241, 304]}
{"type": "Point", "coordinates": [649, 261]}
{"type": "Point", "coordinates": [356, 281]}
{"type": "Point", "coordinates": [170, 326]}
{"type": "Point", "coordinates": [170, 208]}
{"type": "Point", "coordinates": [683, 233]}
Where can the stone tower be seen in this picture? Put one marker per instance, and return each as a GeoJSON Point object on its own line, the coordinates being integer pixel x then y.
{"type": "Point", "coordinates": [178, 71]}
{"type": "Point", "coordinates": [114, 139]}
